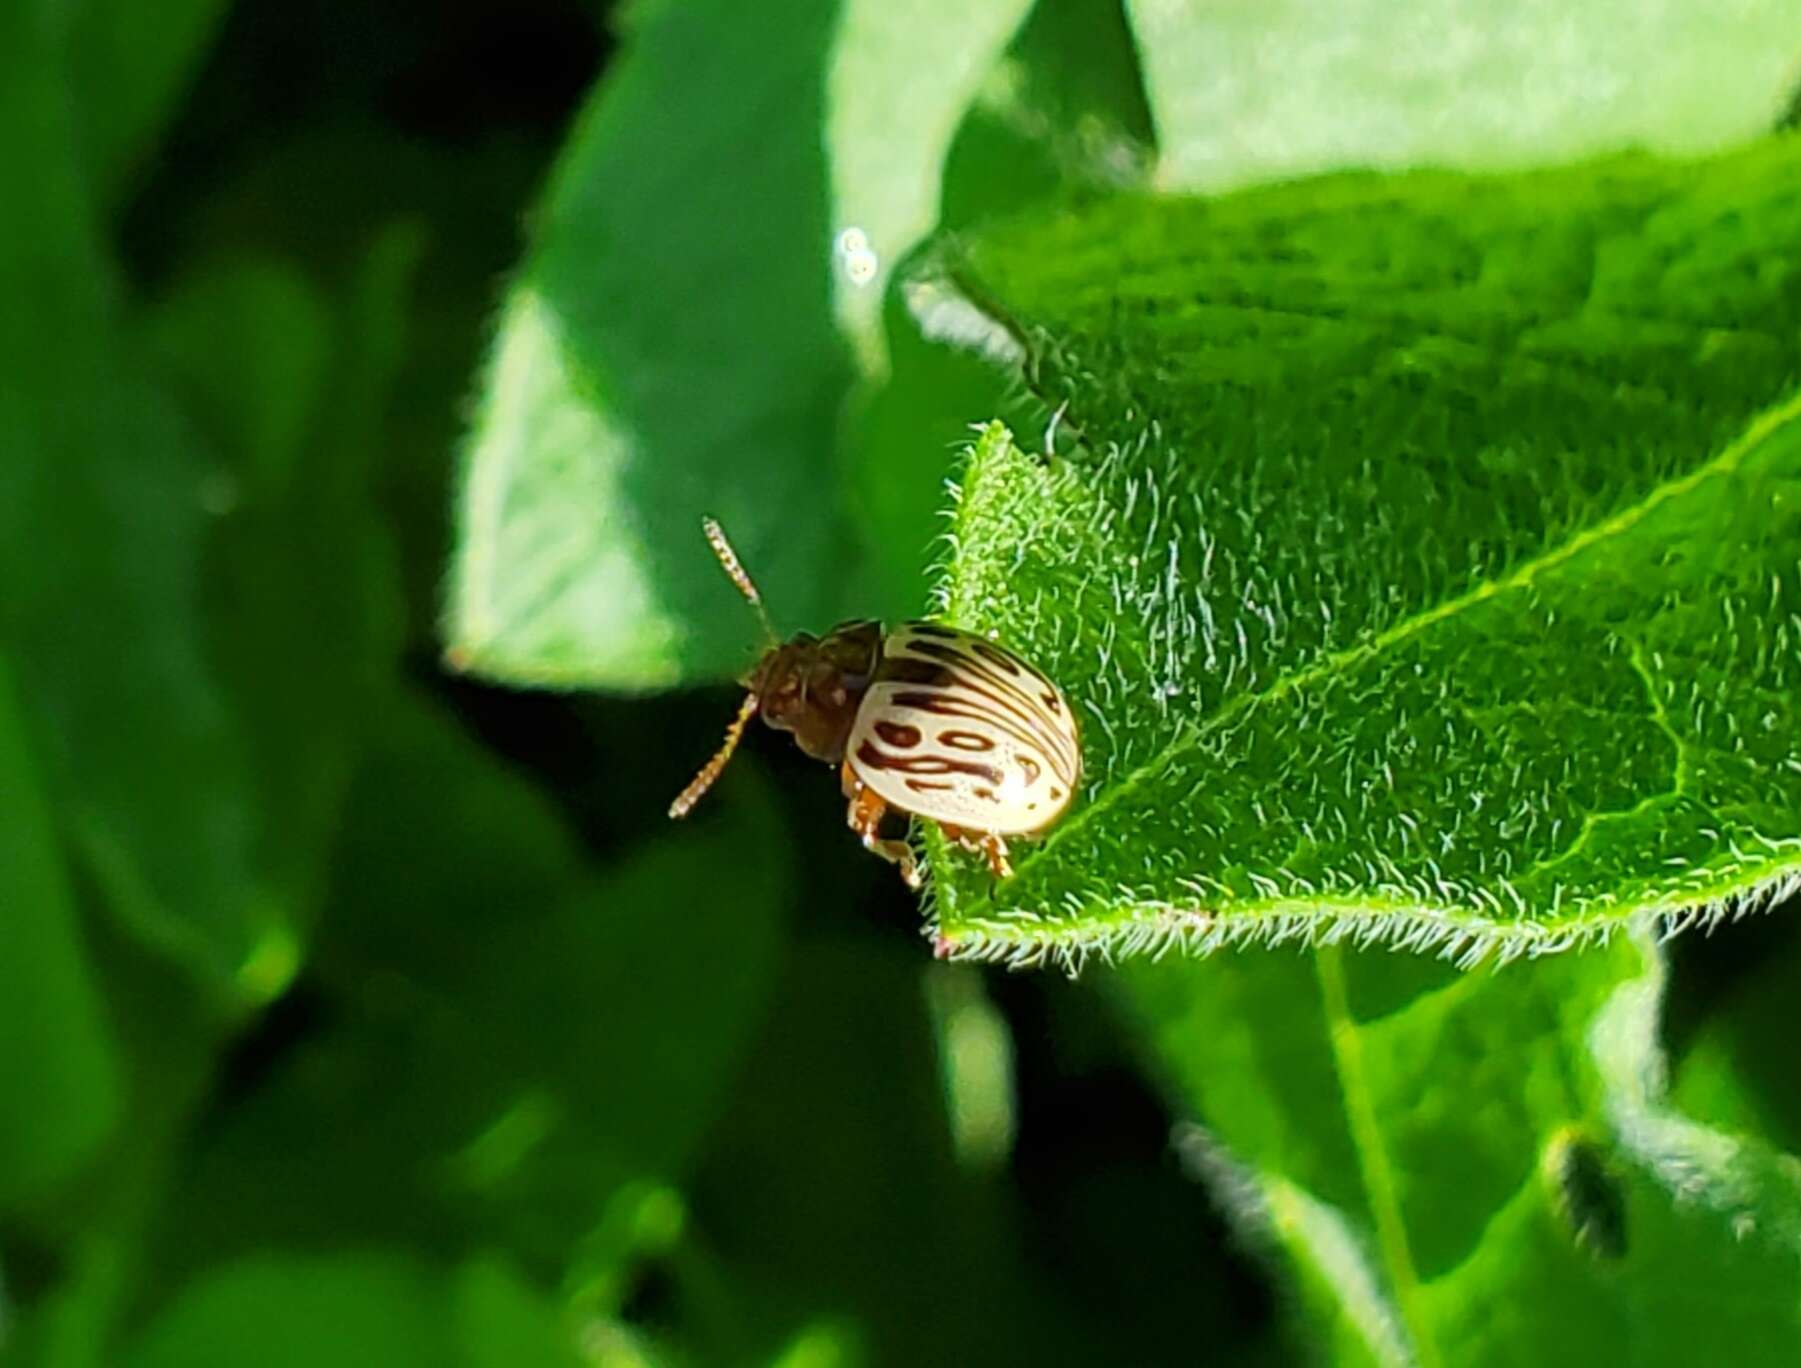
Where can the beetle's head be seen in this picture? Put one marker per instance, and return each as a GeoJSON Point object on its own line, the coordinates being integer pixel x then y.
{"type": "Point", "coordinates": [812, 686]}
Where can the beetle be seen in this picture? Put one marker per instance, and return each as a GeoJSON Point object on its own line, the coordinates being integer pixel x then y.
{"type": "Point", "coordinates": [927, 720]}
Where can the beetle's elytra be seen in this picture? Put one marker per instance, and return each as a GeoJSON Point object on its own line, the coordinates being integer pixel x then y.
{"type": "Point", "coordinates": [928, 720]}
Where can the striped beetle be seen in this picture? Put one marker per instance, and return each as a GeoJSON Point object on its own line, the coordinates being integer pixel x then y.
{"type": "Point", "coordinates": [928, 720]}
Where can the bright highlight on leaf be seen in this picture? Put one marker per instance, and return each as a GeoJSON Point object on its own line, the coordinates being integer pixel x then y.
{"type": "Point", "coordinates": [1431, 572]}
{"type": "Point", "coordinates": [1252, 93]}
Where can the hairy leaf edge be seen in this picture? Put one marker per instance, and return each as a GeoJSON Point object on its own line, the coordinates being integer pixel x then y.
{"type": "Point", "coordinates": [1023, 940]}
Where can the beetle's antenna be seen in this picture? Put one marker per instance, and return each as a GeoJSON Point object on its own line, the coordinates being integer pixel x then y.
{"type": "Point", "coordinates": [703, 781]}
{"type": "Point", "coordinates": [734, 567]}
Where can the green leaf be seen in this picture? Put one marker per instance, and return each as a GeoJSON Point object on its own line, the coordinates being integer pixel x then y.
{"type": "Point", "coordinates": [496, 1015]}
{"type": "Point", "coordinates": [848, 1230]}
{"type": "Point", "coordinates": [82, 1254]}
{"type": "Point", "coordinates": [244, 342]}
{"type": "Point", "coordinates": [1477, 1168]}
{"type": "Point", "coordinates": [672, 348]}
{"type": "Point", "coordinates": [1737, 1070]}
{"type": "Point", "coordinates": [286, 382]}
{"type": "Point", "coordinates": [291, 382]}
{"type": "Point", "coordinates": [930, 60]}
{"type": "Point", "coordinates": [1248, 93]}
{"type": "Point", "coordinates": [101, 521]}
{"type": "Point", "coordinates": [59, 1085]}
{"type": "Point", "coordinates": [1060, 113]}
{"type": "Point", "coordinates": [1429, 574]}
{"type": "Point", "coordinates": [132, 62]}
{"type": "Point", "coordinates": [1063, 112]}
{"type": "Point", "coordinates": [295, 1311]}
{"type": "Point", "coordinates": [503, 1322]}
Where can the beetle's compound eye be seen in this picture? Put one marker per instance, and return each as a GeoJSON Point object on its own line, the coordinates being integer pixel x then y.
{"type": "Point", "coordinates": [783, 701]}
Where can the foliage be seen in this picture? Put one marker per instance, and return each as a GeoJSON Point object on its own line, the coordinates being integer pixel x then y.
{"type": "Point", "coordinates": [1475, 1168]}
{"type": "Point", "coordinates": [354, 1010]}
{"type": "Point", "coordinates": [1432, 578]}
{"type": "Point", "coordinates": [645, 402]}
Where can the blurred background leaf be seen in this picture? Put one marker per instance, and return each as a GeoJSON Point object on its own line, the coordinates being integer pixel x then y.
{"type": "Point", "coordinates": [1251, 94]}
{"type": "Point", "coordinates": [144, 760]}
{"type": "Point", "coordinates": [300, 1312]}
{"type": "Point", "coordinates": [295, 380]}
{"type": "Point", "coordinates": [670, 350]}
{"type": "Point", "coordinates": [1477, 1168]}
{"type": "Point", "coordinates": [62, 1090]}
{"type": "Point", "coordinates": [504, 1078]}
{"type": "Point", "coordinates": [132, 63]}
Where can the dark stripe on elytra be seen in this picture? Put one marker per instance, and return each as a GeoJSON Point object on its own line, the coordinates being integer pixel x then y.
{"type": "Point", "coordinates": [950, 705]}
{"type": "Point", "coordinates": [1040, 734]}
{"type": "Point", "coordinates": [954, 703]}
{"type": "Point", "coordinates": [976, 667]}
{"type": "Point", "coordinates": [995, 657]}
{"type": "Point", "coordinates": [964, 740]}
{"type": "Point", "coordinates": [899, 734]}
{"type": "Point", "coordinates": [974, 644]}
{"type": "Point", "coordinates": [898, 669]}
{"type": "Point", "coordinates": [966, 662]}
{"type": "Point", "coordinates": [968, 671]}
{"type": "Point", "coordinates": [869, 756]}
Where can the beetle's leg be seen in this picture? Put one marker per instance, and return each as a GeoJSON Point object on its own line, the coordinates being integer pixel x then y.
{"type": "Point", "coordinates": [865, 818]}
{"type": "Point", "coordinates": [994, 846]}
{"type": "Point", "coordinates": [989, 844]}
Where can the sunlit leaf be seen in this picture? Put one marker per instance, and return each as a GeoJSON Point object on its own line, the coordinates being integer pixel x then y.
{"type": "Point", "coordinates": [1061, 113]}
{"type": "Point", "coordinates": [1250, 93]}
{"type": "Point", "coordinates": [1429, 571]}
{"type": "Point", "coordinates": [673, 345]}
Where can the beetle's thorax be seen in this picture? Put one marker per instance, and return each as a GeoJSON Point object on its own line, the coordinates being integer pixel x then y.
{"type": "Point", "coordinates": [812, 686]}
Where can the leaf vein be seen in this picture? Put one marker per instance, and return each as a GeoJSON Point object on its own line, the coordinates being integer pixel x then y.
{"type": "Point", "coordinates": [1343, 662]}
{"type": "Point", "coordinates": [1372, 1154]}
